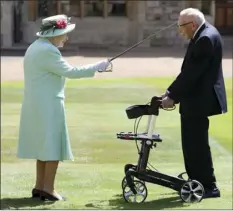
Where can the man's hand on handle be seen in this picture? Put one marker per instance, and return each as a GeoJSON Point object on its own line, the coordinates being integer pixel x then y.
{"type": "Point", "coordinates": [166, 101]}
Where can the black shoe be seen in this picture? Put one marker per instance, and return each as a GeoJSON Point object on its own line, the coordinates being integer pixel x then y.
{"type": "Point", "coordinates": [48, 197]}
{"type": "Point", "coordinates": [212, 193]}
{"type": "Point", "coordinates": [35, 193]}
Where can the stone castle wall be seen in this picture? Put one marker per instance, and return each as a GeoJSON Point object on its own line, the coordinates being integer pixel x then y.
{"type": "Point", "coordinates": [160, 14]}
{"type": "Point", "coordinates": [148, 17]}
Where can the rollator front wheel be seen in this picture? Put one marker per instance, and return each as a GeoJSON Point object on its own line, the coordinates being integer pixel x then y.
{"type": "Point", "coordinates": [139, 197]}
{"type": "Point", "coordinates": [192, 191]}
{"type": "Point", "coordinates": [124, 182]}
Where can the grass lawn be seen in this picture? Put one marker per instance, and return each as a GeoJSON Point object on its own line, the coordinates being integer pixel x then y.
{"type": "Point", "coordinates": [96, 112]}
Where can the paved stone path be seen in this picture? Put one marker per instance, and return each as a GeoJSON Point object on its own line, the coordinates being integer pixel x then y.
{"type": "Point", "coordinates": [156, 62]}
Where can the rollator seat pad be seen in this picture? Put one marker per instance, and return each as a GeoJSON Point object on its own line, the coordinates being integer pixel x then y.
{"type": "Point", "coordinates": [136, 111]}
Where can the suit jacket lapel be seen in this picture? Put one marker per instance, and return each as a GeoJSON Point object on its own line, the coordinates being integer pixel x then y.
{"type": "Point", "coordinates": [199, 32]}
{"type": "Point", "coordinates": [192, 42]}
{"type": "Point", "coordinates": [187, 52]}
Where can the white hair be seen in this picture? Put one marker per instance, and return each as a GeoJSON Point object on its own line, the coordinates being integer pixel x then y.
{"type": "Point", "coordinates": [194, 13]}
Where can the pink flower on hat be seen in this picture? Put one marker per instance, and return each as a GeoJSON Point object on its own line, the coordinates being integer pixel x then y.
{"type": "Point", "coordinates": [61, 24]}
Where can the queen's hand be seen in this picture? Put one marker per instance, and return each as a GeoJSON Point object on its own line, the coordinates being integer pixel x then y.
{"type": "Point", "coordinates": [105, 66]}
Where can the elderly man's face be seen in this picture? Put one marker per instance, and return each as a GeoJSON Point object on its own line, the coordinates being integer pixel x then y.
{"type": "Point", "coordinates": [187, 27]}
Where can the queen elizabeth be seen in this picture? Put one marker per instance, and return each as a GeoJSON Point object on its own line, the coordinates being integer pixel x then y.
{"type": "Point", "coordinates": [43, 134]}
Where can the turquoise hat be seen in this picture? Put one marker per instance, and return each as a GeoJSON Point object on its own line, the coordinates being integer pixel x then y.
{"type": "Point", "coordinates": [55, 26]}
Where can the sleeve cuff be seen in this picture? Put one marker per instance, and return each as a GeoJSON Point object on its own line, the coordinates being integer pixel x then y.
{"type": "Point", "coordinates": [170, 95]}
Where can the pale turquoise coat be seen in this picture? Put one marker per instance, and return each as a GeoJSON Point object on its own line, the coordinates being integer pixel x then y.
{"type": "Point", "coordinates": [43, 133]}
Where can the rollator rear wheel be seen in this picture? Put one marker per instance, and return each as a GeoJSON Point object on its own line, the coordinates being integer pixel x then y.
{"type": "Point", "coordinates": [139, 197]}
{"type": "Point", "coordinates": [192, 191]}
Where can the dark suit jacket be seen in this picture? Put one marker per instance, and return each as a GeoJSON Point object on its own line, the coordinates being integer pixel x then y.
{"type": "Point", "coordinates": [200, 88]}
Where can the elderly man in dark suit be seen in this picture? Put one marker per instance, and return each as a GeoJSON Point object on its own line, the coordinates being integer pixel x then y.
{"type": "Point", "coordinates": [200, 91]}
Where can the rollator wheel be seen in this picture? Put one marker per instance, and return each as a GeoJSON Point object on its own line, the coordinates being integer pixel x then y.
{"type": "Point", "coordinates": [124, 182]}
{"type": "Point", "coordinates": [192, 191]}
{"type": "Point", "coordinates": [139, 197]}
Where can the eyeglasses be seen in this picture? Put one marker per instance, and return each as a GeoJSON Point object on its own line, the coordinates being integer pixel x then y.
{"type": "Point", "coordinates": [179, 25]}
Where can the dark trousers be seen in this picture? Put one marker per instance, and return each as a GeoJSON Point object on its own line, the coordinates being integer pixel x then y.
{"type": "Point", "coordinates": [196, 149]}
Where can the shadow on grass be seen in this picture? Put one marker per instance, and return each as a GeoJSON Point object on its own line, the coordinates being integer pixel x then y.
{"type": "Point", "coordinates": [118, 203]}
{"type": "Point", "coordinates": [17, 203]}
